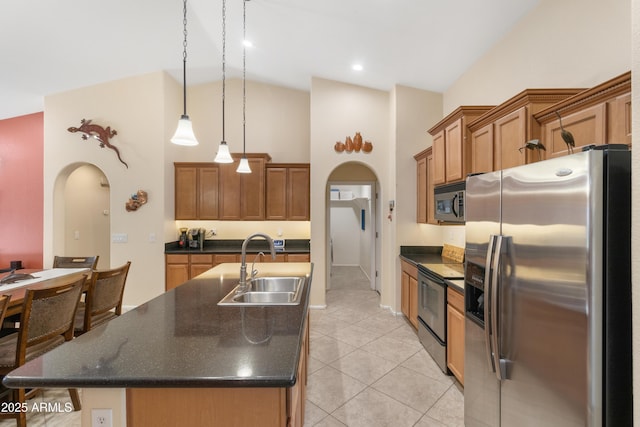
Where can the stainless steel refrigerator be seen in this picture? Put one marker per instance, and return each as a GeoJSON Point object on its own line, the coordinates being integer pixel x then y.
{"type": "Point", "coordinates": [548, 293]}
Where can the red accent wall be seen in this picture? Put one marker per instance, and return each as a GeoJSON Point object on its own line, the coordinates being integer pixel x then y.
{"type": "Point", "coordinates": [21, 190]}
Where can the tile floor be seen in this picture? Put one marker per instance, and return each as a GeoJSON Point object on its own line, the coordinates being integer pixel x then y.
{"type": "Point", "coordinates": [367, 367]}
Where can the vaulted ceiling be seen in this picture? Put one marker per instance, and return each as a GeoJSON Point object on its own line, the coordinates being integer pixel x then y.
{"type": "Point", "coordinates": [53, 46]}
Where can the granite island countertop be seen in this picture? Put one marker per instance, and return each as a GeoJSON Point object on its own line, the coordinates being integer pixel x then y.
{"type": "Point", "coordinates": [182, 338]}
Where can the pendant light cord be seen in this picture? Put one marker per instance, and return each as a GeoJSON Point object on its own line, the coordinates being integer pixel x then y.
{"type": "Point", "coordinates": [224, 48]}
{"type": "Point", "coordinates": [184, 58]}
{"type": "Point", "coordinates": [244, 76]}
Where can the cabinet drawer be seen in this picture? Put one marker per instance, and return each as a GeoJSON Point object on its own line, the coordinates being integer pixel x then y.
{"type": "Point", "coordinates": [201, 258]}
{"type": "Point", "coordinates": [177, 259]}
{"type": "Point", "coordinates": [410, 269]}
{"type": "Point", "coordinates": [455, 299]}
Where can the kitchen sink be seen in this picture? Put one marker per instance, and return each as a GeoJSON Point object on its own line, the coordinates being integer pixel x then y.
{"type": "Point", "coordinates": [263, 291]}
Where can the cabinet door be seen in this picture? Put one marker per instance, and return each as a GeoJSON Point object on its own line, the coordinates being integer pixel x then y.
{"type": "Point", "coordinates": [276, 200]}
{"type": "Point", "coordinates": [298, 194]}
{"type": "Point", "coordinates": [587, 127]}
{"type": "Point", "coordinates": [482, 150]}
{"type": "Point", "coordinates": [439, 158]}
{"type": "Point", "coordinates": [455, 334]}
{"type": "Point", "coordinates": [620, 121]}
{"type": "Point", "coordinates": [421, 189]}
{"type": "Point", "coordinates": [510, 137]}
{"type": "Point", "coordinates": [186, 183]}
{"type": "Point", "coordinates": [252, 192]}
{"type": "Point", "coordinates": [413, 301]}
{"type": "Point", "coordinates": [454, 154]}
{"type": "Point", "coordinates": [230, 188]}
{"type": "Point", "coordinates": [208, 192]}
{"type": "Point", "coordinates": [404, 294]}
{"type": "Point", "coordinates": [176, 270]}
{"type": "Point", "coordinates": [431, 209]}
{"type": "Point", "coordinates": [267, 257]}
{"type": "Point", "coordinates": [224, 258]}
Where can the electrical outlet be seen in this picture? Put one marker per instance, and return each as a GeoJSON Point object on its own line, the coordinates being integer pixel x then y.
{"type": "Point", "coordinates": [101, 418]}
{"type": "Point", "coordinates": [119, 237]}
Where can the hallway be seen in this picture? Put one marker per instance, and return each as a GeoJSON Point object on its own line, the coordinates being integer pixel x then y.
{"type": "Point", "coordinates": [367, 367]}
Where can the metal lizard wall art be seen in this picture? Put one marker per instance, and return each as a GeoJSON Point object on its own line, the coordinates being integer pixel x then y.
{"type": "Point", "coordinates": [98, 132]}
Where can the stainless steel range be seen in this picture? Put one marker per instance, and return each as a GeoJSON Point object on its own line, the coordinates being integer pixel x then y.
{"type": "Point", "coordinates": [432, 308]}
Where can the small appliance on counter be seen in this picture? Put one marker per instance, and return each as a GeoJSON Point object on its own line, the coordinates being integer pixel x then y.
{"type": "Point", "coordinates": [184, 240]}
{"type": "Point", "coordinates": [196, 238]}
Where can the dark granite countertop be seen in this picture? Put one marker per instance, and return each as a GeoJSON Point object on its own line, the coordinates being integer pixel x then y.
{"type": "Point", "coordinates": [182, 338]}
{"type": "Point", "coordinates": [426, 256]}
{"type": "Point", "coordinates": [235, 246]}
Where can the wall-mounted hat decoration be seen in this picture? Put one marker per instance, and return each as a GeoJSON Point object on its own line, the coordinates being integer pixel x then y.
{"type": "Point", "coordinates": [98, 132]}
{"type": "Point", "coordinates": [353, 145]}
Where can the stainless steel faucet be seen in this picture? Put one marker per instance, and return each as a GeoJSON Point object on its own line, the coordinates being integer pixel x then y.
{"type": "Point", "coordinates": [242, 287]}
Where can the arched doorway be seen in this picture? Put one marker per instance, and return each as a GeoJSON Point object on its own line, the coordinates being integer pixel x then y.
{"type": "Point", "coordinates": [82, 213]}
{"type": "Point", "coordinates": [353, 225]}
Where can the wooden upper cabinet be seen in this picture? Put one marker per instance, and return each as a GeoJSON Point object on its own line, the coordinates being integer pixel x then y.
{"type": "Point", "coordinates": [242, 195]}
{"type": "Point", "coordinates": [451, 144]}
{"type": "Point", "coordinates": [600, 115]}
{"type": "Point", "coordinates": [424, 187]}
{"type": "Point", "coordinates": [482, 150]}
{"type": "Point", "coordinates": [288, 192]}
{"type": "Point", "coordinates": [510, 134]}
{"type": "Point", "coordinates": [439, 158]}
{"type": "Point", "coordinates": [499, 136]}
{"type": "Point", "coordinates": [196, 191]}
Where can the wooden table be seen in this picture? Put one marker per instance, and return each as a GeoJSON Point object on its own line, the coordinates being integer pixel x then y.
{"type": "Point", "coordinates": [17, 292]}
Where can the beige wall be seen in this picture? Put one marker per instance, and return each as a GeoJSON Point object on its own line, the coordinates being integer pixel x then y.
{"type": "Point", "coordinates": [135, 108]}
{"type": "Point", "coordinates": [339, 110]}
{"type": "Point", "coordinates": [568, 43]}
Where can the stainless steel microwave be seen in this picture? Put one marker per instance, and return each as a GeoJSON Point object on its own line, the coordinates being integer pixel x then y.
{"type": "Point", "coordinates": [449, 202]}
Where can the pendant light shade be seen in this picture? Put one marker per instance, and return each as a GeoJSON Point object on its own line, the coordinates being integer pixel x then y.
{"type": "Point", "coordinates": [243, 167]}
{"type": "Point", "coordinates": [184, 133]}
{"type": "Point", "coordinates": [223, 155]}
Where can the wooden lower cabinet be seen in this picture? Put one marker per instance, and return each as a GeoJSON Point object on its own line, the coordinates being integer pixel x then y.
{"type": "Point", "coordinates": [180, 268]}
{"type": "Point", "coordinates": [229, 407]}
{"type": "Point", "coordinates": [455, 333]}
{"type": "Point", "coordinates": [409, 293]}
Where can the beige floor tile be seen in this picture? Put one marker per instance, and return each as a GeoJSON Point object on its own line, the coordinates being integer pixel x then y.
{"type": "Point", "coordinates": [422, 363]}
{"type": "Point", "coordinates": [314, 364]}
{"type": "Point", "coordinates": [327, 349]}
{"type": "Point", "coordinates": [382, 323]}
{"type": "Point", "coordinates": [427, 421]}
{"type": "Point", "coordinates": [363, 366]}
{"type": "Point", "coordinates": [391, 349]}
{"type": "Point", "coordinates": [372, 409]}
{"type": "Point", "coordinates": [329, 388]}
{"type": "Point", "coordinates": [313, 414]}
{"type": "Point", "coordinates": [355, 335]}
{"type": "Point", "coordinates": [411, 388]}
{"type": "Point", "coordinates": [329, 421]}
{"type": "Point", "coordinates": [449, 410]}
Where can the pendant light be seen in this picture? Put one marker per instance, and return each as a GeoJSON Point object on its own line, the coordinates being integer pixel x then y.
{"type": "Point", "coordinates": [243, 167]}
{"type": "Point", "coordinates": [223, 155]}
{"type": "Point", "coordinates": [184, 133]}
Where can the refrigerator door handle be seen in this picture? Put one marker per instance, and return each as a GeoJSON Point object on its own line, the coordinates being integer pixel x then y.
{"type": "Point", "coordinates": [495, 341]}
{"type": "Point", "coordinates": [487, 302]}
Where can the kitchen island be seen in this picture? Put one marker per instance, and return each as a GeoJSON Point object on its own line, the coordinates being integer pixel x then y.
{"type": "Point", "coordinates": [184, 360]}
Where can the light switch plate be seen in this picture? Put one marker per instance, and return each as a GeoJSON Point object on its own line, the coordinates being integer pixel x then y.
{"type": "Point", "coordinates": [119, 238]}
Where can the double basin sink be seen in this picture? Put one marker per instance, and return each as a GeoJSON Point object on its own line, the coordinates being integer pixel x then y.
{"type": "Point", "coordinates": [262, 291]}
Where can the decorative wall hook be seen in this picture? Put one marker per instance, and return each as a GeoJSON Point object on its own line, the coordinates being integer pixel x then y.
{"type": "Point", "coordinates": [98, 132]}
{"type": "Point", "coordinates": [136, 200]}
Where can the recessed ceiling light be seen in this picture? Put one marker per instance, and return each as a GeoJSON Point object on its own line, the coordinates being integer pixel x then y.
{"type": "Point", "coordinates": [356, 67]}
{"type": "Point", "coordinates": [247, 43]}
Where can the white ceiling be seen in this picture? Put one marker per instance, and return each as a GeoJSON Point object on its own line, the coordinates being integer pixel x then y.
{"type": "Point", "coordinates": [50, 46]}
